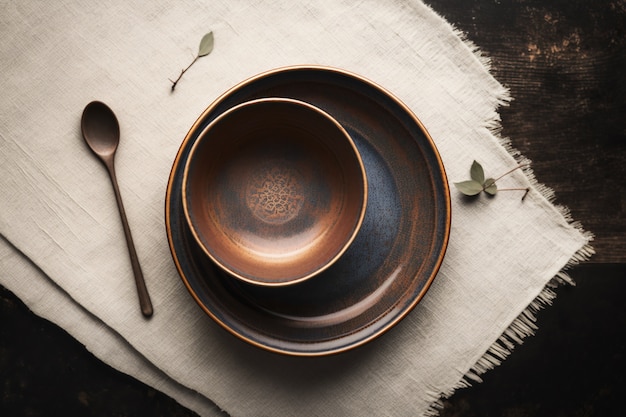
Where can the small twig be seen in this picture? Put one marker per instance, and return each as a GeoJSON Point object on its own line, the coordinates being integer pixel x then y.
{"type": "Point", "coordinates": [526, 191]}
{"type": "Point", "coordinates": [508, 172]}
{"type": "Point", "coordinates": [182, 72]}
{"type": "Point", "coordinates": [478, 183]}
{"type": "Point", "coordinates": [205, 48]}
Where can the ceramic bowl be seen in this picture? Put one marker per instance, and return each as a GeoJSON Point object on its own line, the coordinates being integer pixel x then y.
{"type": "Point", "coordinates": [274, 191]}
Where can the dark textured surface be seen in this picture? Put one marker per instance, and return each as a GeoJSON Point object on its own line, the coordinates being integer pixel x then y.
{"type": "Point", "coordinates": [45, 372]}
{"type": "Point", "coordinates": [574, 366]}
{"type": "Point", "coordinates": [564, 62]}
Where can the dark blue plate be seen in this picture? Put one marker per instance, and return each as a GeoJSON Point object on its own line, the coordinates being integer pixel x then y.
{"type": "Point", "coordinates": [390, 265]}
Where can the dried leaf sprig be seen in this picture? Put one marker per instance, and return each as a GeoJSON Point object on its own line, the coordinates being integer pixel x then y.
{"type": "Point", "coordinates": [478, 183]}
{"type": "Point", "coordinates": [206, 46]}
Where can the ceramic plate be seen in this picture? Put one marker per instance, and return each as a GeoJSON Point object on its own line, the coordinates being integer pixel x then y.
{"type": "Point", "coordinates": [391, 263]}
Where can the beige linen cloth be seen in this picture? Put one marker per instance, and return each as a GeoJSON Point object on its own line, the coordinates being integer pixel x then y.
{"type": "Point", "coordinates": [63, 252]}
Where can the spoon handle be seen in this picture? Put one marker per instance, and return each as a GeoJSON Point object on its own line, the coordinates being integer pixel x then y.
{"type": "Point", "coordinates": [142, 291]}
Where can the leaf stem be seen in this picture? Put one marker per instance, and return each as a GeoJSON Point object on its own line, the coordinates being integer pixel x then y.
{"type": "Point", "coordinates": [508, 172]}
{"type": "Point", "coordinates": [526, 191]}
{"type": "Point", "coordinates": [182, 72]}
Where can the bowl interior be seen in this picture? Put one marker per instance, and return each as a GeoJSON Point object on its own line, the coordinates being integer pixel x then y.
{"type": "Point", "coordinates": [274, 191]}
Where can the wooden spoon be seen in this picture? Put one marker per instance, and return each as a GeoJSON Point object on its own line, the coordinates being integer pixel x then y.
{"type": "Point", "coordinates": [101, 131]}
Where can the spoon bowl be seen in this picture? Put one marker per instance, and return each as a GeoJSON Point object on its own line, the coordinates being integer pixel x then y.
{"type": "Point", "coordinates": [101, 129]}
{"type": "Point", "coordinates": [101, 132]}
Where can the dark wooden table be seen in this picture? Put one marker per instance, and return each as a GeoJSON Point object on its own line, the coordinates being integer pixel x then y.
{"type": "Point", "coordinates": [565, 64]}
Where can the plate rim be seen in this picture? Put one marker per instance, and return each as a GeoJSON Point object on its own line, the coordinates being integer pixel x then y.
{"type": "Point", "coordinates": [440, 169]}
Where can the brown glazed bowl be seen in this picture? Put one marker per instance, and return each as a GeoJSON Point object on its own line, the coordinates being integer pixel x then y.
{"type": "Point", "coordinates": [274, 191]}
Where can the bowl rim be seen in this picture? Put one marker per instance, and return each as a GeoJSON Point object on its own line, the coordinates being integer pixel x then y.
{"type": "Point", "coordinates": [347, 242]}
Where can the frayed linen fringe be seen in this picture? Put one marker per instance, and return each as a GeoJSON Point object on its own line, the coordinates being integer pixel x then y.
{"type": "Point", "coordinates": [522, 327]}
{"type": "Point", "coordinates": [525, 324]}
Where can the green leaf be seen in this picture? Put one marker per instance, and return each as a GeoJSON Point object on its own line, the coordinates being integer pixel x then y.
{"type": "Point", "coordinates": [477, 173]}
{"type": "Point", "coordinates": [490, 186]}
{"type": "Point", "coordinates": [470, 187]}
{"type": "Point", "coordinates": [206, 44]}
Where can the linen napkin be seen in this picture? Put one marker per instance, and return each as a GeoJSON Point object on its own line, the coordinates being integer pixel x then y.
{"type": "Point", "coordinates": [63, 250]}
